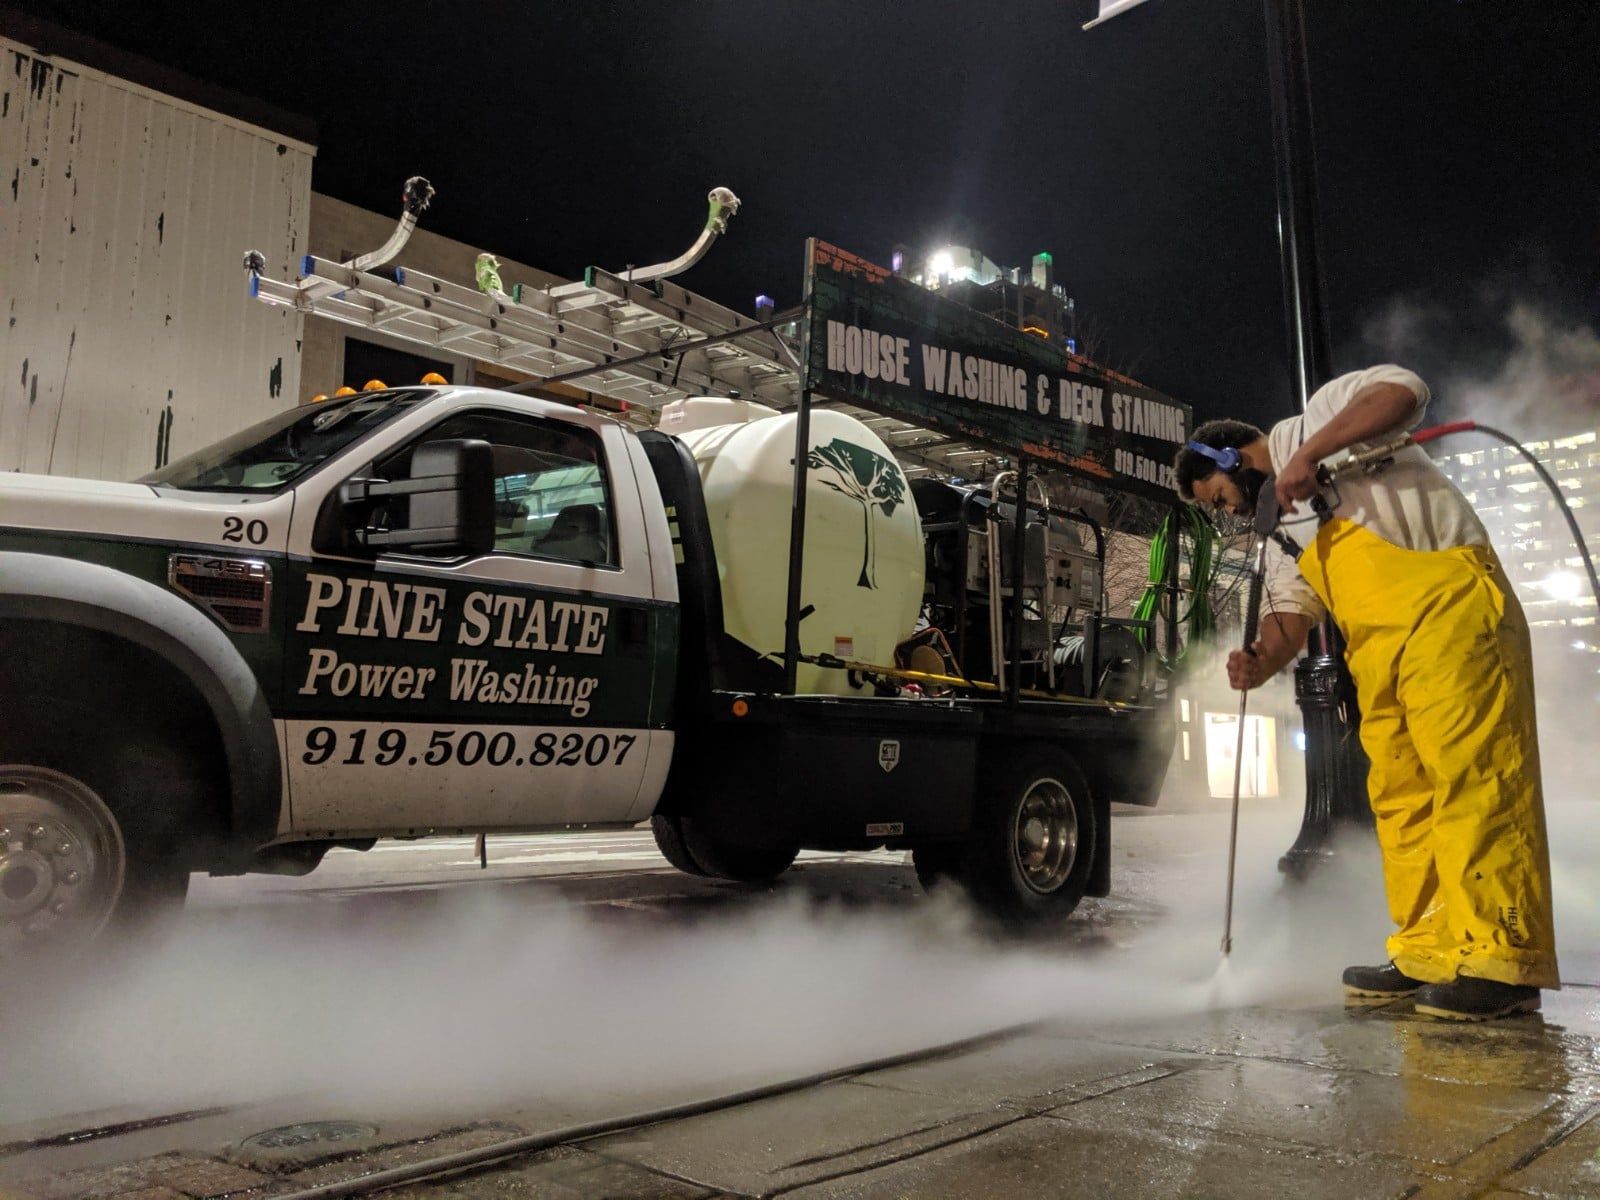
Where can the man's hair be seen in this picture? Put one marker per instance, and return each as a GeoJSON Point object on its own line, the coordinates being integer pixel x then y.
{"type": "Point", "coordinates": [1191, 466]}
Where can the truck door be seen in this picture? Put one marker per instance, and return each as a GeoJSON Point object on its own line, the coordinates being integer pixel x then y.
{"type": "Point", "coordinates": [514, 689]}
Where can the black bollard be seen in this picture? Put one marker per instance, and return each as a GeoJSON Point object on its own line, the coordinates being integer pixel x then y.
{"type": "Point", "coordinates": [1336, 765]}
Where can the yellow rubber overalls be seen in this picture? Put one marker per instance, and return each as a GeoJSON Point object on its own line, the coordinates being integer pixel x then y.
{"type": "Point", "coordinates": [1439, 650]}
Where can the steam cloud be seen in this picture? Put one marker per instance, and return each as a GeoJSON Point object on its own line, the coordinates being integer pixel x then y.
{"type": "Point", "coordinates": [487, 1001]}
{"type": "Point", "coordinates": [1528, 371]}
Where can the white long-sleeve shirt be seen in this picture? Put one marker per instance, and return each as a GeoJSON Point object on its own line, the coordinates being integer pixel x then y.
{"type": "Point", "coordinates": [1409, 504]}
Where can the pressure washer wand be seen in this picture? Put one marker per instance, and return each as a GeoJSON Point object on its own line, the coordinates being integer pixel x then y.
{"type": "Point", "coordinates": [1369, 460]}
{"type": "Point", "coordinates": [1252, 624]}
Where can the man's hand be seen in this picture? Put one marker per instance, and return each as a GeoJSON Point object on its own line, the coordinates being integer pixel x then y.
{"type": "Point", "coordinates": [1246, 671]}
{"type": "Point", "coordinates": [1297, 481]}
{"type": "Point", "coordinates": [1283, 635]}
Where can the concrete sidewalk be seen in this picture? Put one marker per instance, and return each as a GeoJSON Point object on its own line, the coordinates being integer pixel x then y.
{"type": "Point", "coordinates": [1251, 1103]}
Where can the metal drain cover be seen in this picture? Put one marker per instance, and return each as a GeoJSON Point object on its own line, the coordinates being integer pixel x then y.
{"type": "Point", "coordinates": [310, 1133]}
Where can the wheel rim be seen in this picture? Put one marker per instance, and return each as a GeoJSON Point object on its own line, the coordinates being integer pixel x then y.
{"type": "Point", "coordinates": [1045, 840]}
{"type": "Point", "coordinates": [62, 860]}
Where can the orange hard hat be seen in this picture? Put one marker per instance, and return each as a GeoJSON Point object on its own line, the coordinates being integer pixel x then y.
{"type": "Point", "coordinates": [345, 391]}
{"type": "Point", "coordinates": [319, 397]}
{"type": "Point", "coordinates": [434, 378]}
{"type": "Point", "coordinates": [374, 385]}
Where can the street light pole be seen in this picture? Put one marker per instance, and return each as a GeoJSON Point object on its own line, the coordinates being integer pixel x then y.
{"type": "Point", "coordinates": [1336, 766]}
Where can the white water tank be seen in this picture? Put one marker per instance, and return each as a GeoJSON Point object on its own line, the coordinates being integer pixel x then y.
{"type": "Point", "coordinates": [863, 551]}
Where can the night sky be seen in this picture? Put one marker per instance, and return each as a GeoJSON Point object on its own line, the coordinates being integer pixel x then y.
{"type": "Point", "coordinates": [1459, 150]}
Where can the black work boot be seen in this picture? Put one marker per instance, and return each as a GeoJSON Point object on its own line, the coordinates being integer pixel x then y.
{"type": "Point", "coordinates": [1468, 998]}
{"type": "Point", "coordinates": [1377, 985]}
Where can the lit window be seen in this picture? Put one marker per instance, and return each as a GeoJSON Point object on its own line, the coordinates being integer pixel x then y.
{"type": "Point", "coordinates": [1260, 774]}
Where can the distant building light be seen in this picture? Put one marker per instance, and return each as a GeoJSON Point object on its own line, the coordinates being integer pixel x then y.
{"type": "Point", "coordinates": [1072, 345]}
{"type": "Point", "coordinates": [897, 260]}
{"type": "Point", "coordinates": [765, 304]}
{"type": "Point", "coordinates": [1299, 739]}
{"type": "Point", "coordinates": [1040, 330]}
{"type": "Point", "coordinates": [942, 263]}
{"type": "Point", "coordinates": [1044, 256]}
{"type": "Point", "coordinates": [1563, 585]}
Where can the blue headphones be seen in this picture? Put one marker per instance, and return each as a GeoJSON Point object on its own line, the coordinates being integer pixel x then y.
{"type": "Point", "coordinates": [1228, 459]}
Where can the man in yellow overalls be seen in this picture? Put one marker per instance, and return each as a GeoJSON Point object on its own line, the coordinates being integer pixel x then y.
{"type": "Point", "coordinates": [1439, 650]}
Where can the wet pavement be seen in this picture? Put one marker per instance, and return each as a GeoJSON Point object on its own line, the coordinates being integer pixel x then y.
{"type": "Point", "coordinates": [1260, 1086]}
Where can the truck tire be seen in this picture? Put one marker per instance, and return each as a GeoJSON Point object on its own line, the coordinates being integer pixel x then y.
{"type": "Point", "coordinates": [1033, 839]}
{"type": "Point", "coordinates": [71, 868]}
{"type": "Point", "coordinates": [668, 831]}
{"type": "Point", "coordinates": [100, 814]}
{"type": "Point", "coordinates": [721, 859]}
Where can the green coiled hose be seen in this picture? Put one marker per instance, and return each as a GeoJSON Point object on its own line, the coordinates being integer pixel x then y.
{"type": "Point", "coordinates": [1205, 564]}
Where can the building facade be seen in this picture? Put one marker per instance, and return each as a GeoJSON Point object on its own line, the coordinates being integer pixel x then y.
{"type": "Point", "coordinates": [130, 335]}
{"type": "Point", "coordinates": [1529, 531]}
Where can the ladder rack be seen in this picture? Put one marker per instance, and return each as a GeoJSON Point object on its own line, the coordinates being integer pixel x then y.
{"type": "Point", "coordinates": [557, 331]}
{"type": "Point", "coordinates": [621, 334]}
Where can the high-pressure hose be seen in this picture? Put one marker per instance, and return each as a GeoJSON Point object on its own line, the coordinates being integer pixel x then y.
{"type": "Point", "coordinates": [1373, 459]}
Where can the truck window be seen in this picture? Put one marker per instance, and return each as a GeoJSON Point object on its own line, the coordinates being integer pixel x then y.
{"type": "Point", "coordinates": [552, 499]}
{"type": "Point", "coordinates": [274, 453]}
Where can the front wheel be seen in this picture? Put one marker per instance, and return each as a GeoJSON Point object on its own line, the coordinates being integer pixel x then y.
{"type": "Point", "coordinates": [1033, 839]}
{"type": "Point", "coordinates": [65, 870]}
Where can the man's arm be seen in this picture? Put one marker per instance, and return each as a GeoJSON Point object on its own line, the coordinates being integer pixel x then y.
{"type": "Point", "coordinates": [1283, 635]}
{"type": "Point", "coordinates": [1380, 408]}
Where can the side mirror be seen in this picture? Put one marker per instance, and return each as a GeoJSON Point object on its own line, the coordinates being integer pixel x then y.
{"type": "Point", "coordinates": [445, 507]}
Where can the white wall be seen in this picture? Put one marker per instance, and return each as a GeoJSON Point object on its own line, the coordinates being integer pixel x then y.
{"type": "Point", "coordinates": [129, 333]}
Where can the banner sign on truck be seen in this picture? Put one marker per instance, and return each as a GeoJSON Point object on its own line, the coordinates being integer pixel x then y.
{"type": "Point", "coordinates": [894, 347]}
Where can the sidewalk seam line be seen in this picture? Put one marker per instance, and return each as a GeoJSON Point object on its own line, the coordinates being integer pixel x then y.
{"type": "Point", "coordinates": [900, 1158]}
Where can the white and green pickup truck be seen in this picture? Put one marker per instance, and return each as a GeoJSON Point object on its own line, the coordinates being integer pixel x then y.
{"type": "Point", "coordinates": [454, 610]}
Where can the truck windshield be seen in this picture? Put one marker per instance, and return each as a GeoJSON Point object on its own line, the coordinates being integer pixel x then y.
{"type": "Point", "coordinates": [274, 453]}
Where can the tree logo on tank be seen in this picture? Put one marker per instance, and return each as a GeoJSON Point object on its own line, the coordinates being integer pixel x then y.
{"type": "Point", "coordinates": [872, 481]}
